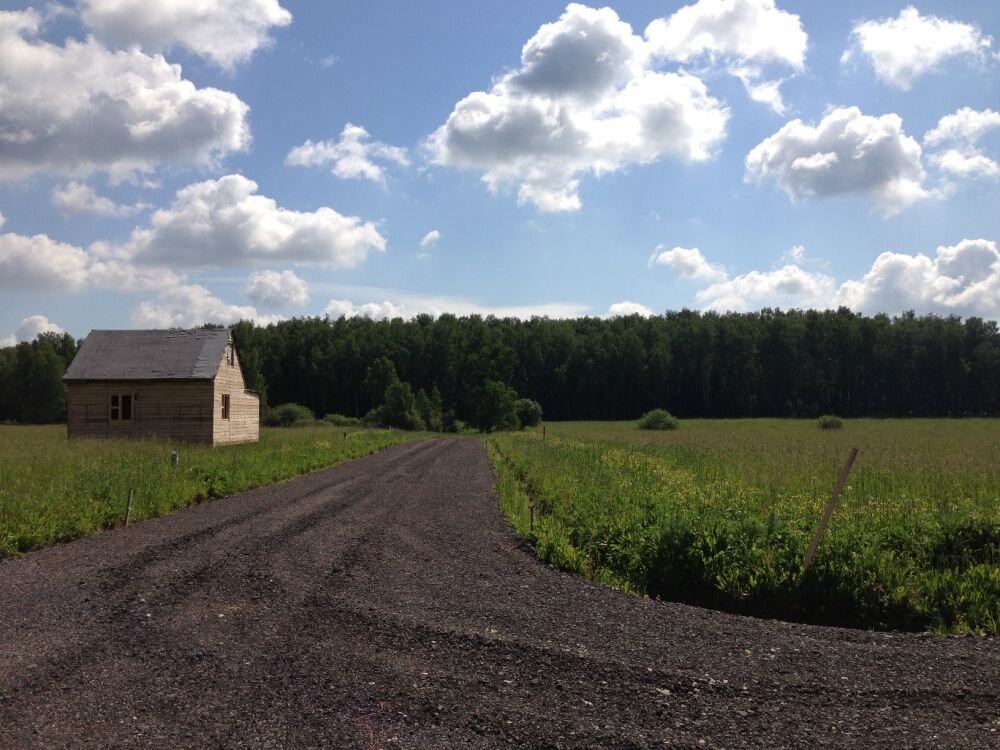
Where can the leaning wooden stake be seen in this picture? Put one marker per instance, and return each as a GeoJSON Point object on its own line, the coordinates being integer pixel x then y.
{"type": "Point", "coordinates": [128, 508]}
{"type": "Point", "coordinates": [828, 512]}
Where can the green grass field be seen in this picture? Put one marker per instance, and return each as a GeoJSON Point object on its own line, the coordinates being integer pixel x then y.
{"type": "Point", "coordinates": [53, 490]}
{"type": "Point", "coordinates": [720, 513]}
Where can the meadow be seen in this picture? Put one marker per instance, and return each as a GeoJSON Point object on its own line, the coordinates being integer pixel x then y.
{"type": "Point", "coordinates": [720, 513]}
{"type": "Point", "coordinates": [54, 490]}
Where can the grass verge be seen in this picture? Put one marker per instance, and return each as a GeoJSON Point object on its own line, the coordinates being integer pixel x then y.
{"type": "Point", "coordinates": [720, 514]}
{"type": "Point", "coordinates": [53, 490]}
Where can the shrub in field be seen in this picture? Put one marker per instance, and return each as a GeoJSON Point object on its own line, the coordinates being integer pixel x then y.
{"type": "Point", "coordinates": [289, 415]}
{"type": "Point", "coordinates": [495, 407]}
{"type": "Point", "coordinates": [659, 419]}
{"type": "Point", "coordinates": [529, 412]}
{"type": "Point", "coordinates": [339, 420]}
{"type": "Point", "coordinates": [830, 422]}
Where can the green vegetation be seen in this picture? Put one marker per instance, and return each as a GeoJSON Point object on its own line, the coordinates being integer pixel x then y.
{"type": "Point", "coordinates": [288, 415]}
{"type": "Point", "coordinates": [830, 422]}
{"type": "Point", "coordinates": [529, 412]}
{"type": "Point", "coordinates": [495, 407]}
{"type": "Point", "coordinates": [53, 490]}
{"type": "Point", "coordinates": [659, 419]}
{"type": "Point", "coordinates": [720, 514]}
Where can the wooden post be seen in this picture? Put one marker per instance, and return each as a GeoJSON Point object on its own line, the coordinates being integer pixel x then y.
{"type": "Point", "coordinates": [531, 510]}
{"type": "Point", "coordinates": [128, 508]}
{"type": "Point", "coordinates": [828, 512]}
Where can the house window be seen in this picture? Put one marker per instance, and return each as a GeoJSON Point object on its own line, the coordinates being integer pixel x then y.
{"type": "Point", "coordinates": [230, 355]}
{"type": "Point", "coordinates": [225, 406]}
{"type": "Point", "coordinates": [120, 407]}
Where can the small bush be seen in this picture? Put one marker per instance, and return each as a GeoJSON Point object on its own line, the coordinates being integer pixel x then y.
{"type": "Point", "coordinates": [289, 415]}
{"type": "Point", "coordinates": [830, 422]}
{"type": "Point", "coordinates": [339, 420]}
{"type": "Point", "coordinates": [659, 419]}
{"type": "Point", "coordinates": [529, 412]}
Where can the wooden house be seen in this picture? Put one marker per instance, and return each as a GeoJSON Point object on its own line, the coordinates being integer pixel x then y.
{"type": "Point", "coordinates": [178, 384]}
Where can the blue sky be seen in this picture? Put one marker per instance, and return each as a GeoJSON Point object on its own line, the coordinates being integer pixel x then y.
{"type": "Point", "coordinates": [164, 167]}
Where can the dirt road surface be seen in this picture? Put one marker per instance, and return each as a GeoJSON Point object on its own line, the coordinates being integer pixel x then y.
{"type": "Point", "coordinates": [385, 603]}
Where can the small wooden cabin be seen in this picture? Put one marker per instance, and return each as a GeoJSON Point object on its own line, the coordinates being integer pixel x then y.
{"type": "Point", "coordinates": [178, 384]}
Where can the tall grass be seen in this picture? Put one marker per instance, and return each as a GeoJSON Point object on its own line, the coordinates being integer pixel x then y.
{"type": "Point", "coordinates": [53, 490]}
{"type": "Point", "coordinates": [721, 512]}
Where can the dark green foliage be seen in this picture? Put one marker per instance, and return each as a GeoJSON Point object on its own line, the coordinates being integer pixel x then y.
{"type": "Point", "coordinates": [31, 387]}
{"type": "Point", "coordinates": [767, 363]}
{"type": "Point", "coordinates": [399, 409]}
{"type": "Point", "coordinates": [289, 415]}
{"type": "Point", "coordinates": [495, 407]}
{"type": "Point", "coordinates": [830, 422]}
{"type": "Point", "coordinates": [659, 419]}
{"type": "Point", "coordinates": [339, 420]}
{"type": "Point", "coordinates": [528, 411]}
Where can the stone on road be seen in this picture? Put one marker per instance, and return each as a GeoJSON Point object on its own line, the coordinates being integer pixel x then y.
{"type": "Point", "coordinates": [385, 603]}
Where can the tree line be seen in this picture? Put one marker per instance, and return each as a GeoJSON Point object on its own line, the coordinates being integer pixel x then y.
{"type": "Point", "coordinates": [768, 363]}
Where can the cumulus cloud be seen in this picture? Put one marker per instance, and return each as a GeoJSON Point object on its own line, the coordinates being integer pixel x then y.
{"type": "Point", "coordinates": [41, 264]}
{"type": "Point", "coordinates": [78, 198]}
{"type": "Point", "coordinates": [224, 222]}
{"type": "Point", "coordinates": [354, 156]}
{"type": "Point", "coordinates": [80, 108]}
{"type": "Point", "coordinates": [963, 279]}
{"type": "Point", "coordinates": [191, 305]}
{"type": "Point", "coordinates": [583, 101]}
{"type": "Point", "coordinates": [430, 239]}
{"type": "Point", "coordinates": [227, 32]}
{"type": "Point", "coordinates": [743, 36]}
{"type": "Point", "coordinates": [788, 286]}
{"type": "Point", "coordinates": [847, 152]}
{"type": "Point", "coordinates": [408, 305]}
{"type": "Point", "coordinates": [961, 131]}
{"type": "Point", "coordinates": [276, 290]}
{"type": "Point", "coordinates": [689, 263]}
{"type": "Point", "coordinates": [904, 48]}
{"type": "Point", "coordinates": [622, 309]}
{"type": "Point", "coordinates": [33, 326]}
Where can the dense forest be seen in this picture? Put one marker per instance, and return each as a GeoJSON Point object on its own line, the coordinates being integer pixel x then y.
{"type": "Point", "coordinates": [766, 363]}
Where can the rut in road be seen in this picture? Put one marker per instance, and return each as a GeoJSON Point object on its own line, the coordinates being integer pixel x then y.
{"type": "Point", "coordinates": [386, 603]}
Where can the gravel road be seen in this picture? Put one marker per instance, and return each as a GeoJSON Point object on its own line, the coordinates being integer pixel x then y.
{"type": "Point", "coordinates": [385, 603]}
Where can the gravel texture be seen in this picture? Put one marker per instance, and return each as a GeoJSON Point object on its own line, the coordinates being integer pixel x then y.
{"type": "Point", "coordinates": [385, 603]}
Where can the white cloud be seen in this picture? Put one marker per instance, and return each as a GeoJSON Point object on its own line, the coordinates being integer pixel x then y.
{"type": "Point", "coordinates": [353, 156]}
{"type": "Point", "coordinates": [192, 305]}
{"type": "Point", "coordinates": [741, 35]}
{"type": "Point", "coordinates": [408, 305]}
{"type": "Point", "coordinates": [430, 239]}
{"type": "Point", "coordinates": [963, 279]}
{"type": "Point", "coordinates": [788, 286]}
{"type": "Point", "coordinates": [41, 264]}
{"type": "Point", "coordinates": [31, 327]}
{"type": "Point", "coordinates": [227, 32]}
{"type": "Point", "coordinates": [79, 198]}
{"type": "Point", "coordinates": [276, 290]}
{"type": "Point", "coordinates": [904, 48]}
{"type": "Point", "coordinates": [629, 308]}
{"type": "Point", "coordinates": [80, 108]}
{"type": "Point", "coordinates": [847, 152]}
{"type": "Point", "coordinates": [688, 263]}
{"type": "Point", "coordinates": [3, 220]}
{"type": "Point", "coordinates": [583, 101]}
{"type": "Point", "coordinates": [224, 222]}
{"type": "Point", "coordinates": [963, 129]}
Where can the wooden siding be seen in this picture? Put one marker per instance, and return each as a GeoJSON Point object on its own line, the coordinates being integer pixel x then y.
{"type": "Point", "coordinates": [243, 425]}
{"type": "Point", "coordinates": [179, 410]}
{"type": "Point", "coordinates": [188, 410]}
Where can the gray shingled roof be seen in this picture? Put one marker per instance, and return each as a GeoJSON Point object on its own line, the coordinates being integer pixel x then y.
{"type": "Point", "coordinates": [149, 355]}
